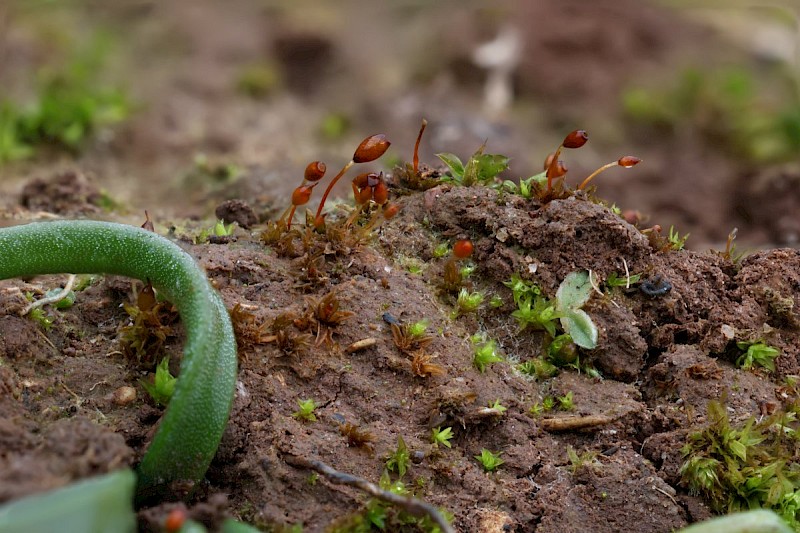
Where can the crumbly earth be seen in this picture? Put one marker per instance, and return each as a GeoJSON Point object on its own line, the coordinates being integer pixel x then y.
{"type": "Point", "coordinates": [65, 405]}
{"type": "Point", "coordinates": [662, 359]}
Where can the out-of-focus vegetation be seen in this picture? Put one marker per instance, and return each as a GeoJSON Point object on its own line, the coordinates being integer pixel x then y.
{"type": "Point", "coordinates": [727, 105]}
{"type": "Point", "coordinates": [69, 105]}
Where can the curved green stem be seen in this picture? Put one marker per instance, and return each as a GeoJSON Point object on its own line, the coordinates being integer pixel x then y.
{"type": "Point", "coordinates": [192, 426]}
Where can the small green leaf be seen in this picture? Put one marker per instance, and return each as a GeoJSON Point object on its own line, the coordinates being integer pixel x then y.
{"type": "Point", "coordinates": [580, 327]}
{"type": "Point", "coordinates": [488, 166]}
{"type": "Point", "coordinates": [574, 291]}
{"type": "Point", "coordinates": [454, 164]}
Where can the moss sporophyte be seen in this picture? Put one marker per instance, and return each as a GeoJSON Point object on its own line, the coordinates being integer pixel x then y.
{"type": "Point", "coordinates": [192, 426]}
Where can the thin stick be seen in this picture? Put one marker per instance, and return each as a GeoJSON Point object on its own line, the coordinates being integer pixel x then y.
{"type": "Point", "coordinates": [416, 147]}
{"type": "Point", "coordinates": [51, 299]}
{"type": "Point", "coordinates": [591, 176]}
{"type": "Point", "coordinates": [627, 274]}
{"type": "Point", "coordinates": [571, 423]}
{"type": "Point", "coordinates": [411, 505]}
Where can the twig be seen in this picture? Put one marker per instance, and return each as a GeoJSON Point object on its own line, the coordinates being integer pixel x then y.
{"type": "Point", "coordinates": [51, 299]}
{"type": "Point", "coordinates": [570, 423]}
{"type": "Point", "coordinates": [413, 506]}
{"type": "Point", "coordinates": [627, 274]}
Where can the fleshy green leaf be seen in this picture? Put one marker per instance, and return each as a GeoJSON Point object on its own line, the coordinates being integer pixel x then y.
{"type": "Point", "coordinates": [95, 505]}
{"type": "Point", "coordinates": [454, 164]}
{"type": "Point", "coordinates": [574, 291]}
{"type": "Point", "coordinates": [580, 327]}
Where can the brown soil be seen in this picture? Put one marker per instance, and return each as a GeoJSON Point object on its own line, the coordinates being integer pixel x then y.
{"type": "Point", "coordinates": [663, 359]}
{"type": "Point", "coordinates": [62, 416]}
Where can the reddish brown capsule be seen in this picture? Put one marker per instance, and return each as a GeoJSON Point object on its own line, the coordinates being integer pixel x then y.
{"type": "Point", "coordinates": [361, 180]}
{"type": "Point", "coordinates": [175, 520]}
{"type": "Point", "coordinates": [463, 248]}
{"type": "Point", "coordinates": [575, 139]}
{"type": "Point", "coordinates": [628, 161]}
{"type": "Point", "coordinates": [371, 148]}
{"type": "Point", "coordinates": [315, 171]}
{"type": "Point", "coordinates": [561, 169]}
{"type": "Point", "coordinates": [302, 194]}
{"type": "Point", "coordinates": [390, 211]}
{"type": "Point", "coordinates": [364, 195]}
{"type": "Point", "coordinates": [548, 160]}
{"type": "Point", "coordinates": [380, 193]}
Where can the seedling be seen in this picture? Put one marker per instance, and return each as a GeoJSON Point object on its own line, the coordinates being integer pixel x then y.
{"type": "Point", "coordinates": [572, 294]}
{"type": "Point", "coordinates": [496, 302]}
{"type": "Point", "coordinates": [566, 403]}
{"type": "Point", "coordinates": [536, 312]}
{"type": "Point", "coordinates": [498, 407]}
{"type": "Point", "coordinates": [730, 253]}
{"type": "Point", "coordinates": [39, 316]}
{"type": "Point", "coordinates": [485, 354]}
{"type": "Point", "coordinates": [757, 354]}
{"type": "Point", "coordinates": [480, 168]}
{"type": "Point", "coordinates": [467, 302]}
{"type": "Point", "coordinates": [548, 403]}
{"type": "Point", "coordinates": [306, 410]}
{"type": "Point", "coordinates": [615, 280]}
{"type": "Point", "coordinates": [538, 368]}
{"type": "Point", "coordinates": [489, 460]}
{"type": "Point", "coordinates": [442, 436]}
{"type": "Point", "coordinates": [676, 242]}
{"type": "Point", "coordinates": [578, 461]}
{"type": "Point", "coordinates": [527, 187]}
{"type": "Point", "coordinates": [410, 337]}
{"type": "Point", "coordinates": [746, 466]}
{"type": "Point", "coordinates": [399, 459]}
{"type": "Point", "coordinates": [521, 289]}
{"type": "Point", "coordinates": [442, 250]}
{"type": "Point", "coordinates": [164, 384]}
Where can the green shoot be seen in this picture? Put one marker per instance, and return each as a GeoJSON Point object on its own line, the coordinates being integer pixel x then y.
{"type": "Point", "coordinates": [467, 302]}
{"type": "Point", "coordinates": [548, 403]}
{"type": "Point", "coordinates": [757, 354]}
{"type": "Point", "coordinates": [306, 410]}
{"type": "Point", "coordinates": [497, 406]}
{"type": "Point", "coordinates": [442, 436]}
{"type": "Point", "coordinates": [614, 280]}
{"type": "Point", "coordinates": [577, 461]}
{"type": "Point", "coordinates": [676, 242]}
{"type": "Point", "coordinates": [164, 384]}
{"type": "Point", "coordinates": [485, 354]}
{"type": "Point", "coordinates": [521, 289]}
{"type": "Point", "coordinates": [566, 403]}
{"type": "Point", "coordinates": [538, 368]}
{"type": "Point", "coordinates": [441, 250]}
{"type": "Point", "coordinates": [399, 459]}
{"type": "Point", "coordinates": [64, 303]}
{"type": "Point", "coordinates": [418, 329]}
{"type": "Point", "coordinates": [526, 187]}
{"type": "Point", "coordinates": [496, 302]}
{"type": "Point", "coordinates": [538, 313]}
{"type": "Point", "coordinates": [39, 315]}
{"type": "Point", "coordinates": [747, 466]}
{"type": "Point", "coordinates": [489, 460]}
{"type": "Point", "coordinates": [480, 168]}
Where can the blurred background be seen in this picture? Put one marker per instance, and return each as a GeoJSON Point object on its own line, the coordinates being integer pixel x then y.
{"type": "Point", "coordinates": [173, 106]}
